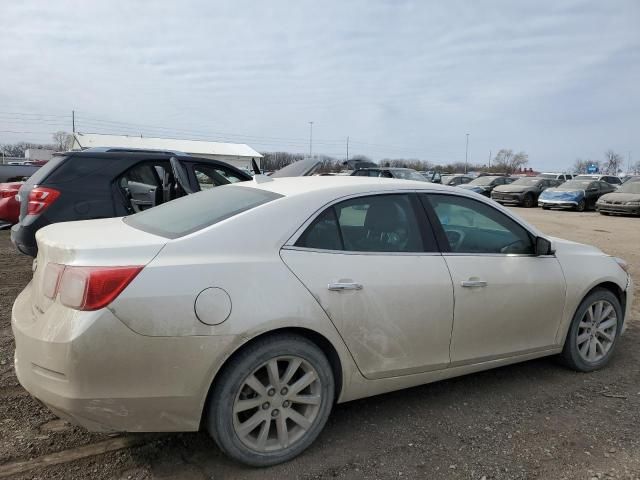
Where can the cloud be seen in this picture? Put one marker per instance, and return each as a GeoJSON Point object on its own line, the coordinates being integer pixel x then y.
{"type": "Point", "coordinates": [558, 80]}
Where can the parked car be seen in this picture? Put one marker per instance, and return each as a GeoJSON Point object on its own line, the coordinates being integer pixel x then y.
{"type": "Point", "coordinates": [390, 172]}
{"type": "Point", "coordinates": [103, 183]}
{"type": "Point", "coordinates": [432, 176]}
{"type": "Point", "coordinates": [610, 179]}
{"type": "Point", "coordinates": [576, 194]}
{"type": "Point", "coordinates": [625, 199]}
{"type": "Point", "coordinates": [524, 191]}
{"type": "Point", "coordinates": [563, 177]}
{"type": "Point", "coordinates": [177, 317]}
{"type": "Point", "coordinates": [628, 178]}
{"type": "Point", "coordinates": [14, 173]}
{"type": "Point", "coordinates": [485, 184]}
{"type": "Point", "coordinates": [455, 180]}
{"type": "Point", "coordinates": [9, 206]}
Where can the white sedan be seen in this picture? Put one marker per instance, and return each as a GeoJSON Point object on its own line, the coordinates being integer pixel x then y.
{"type": "Point", "coordinates": [252, 308]}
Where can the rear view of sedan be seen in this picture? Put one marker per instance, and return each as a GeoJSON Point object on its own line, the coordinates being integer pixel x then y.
{"type": "Point", "coordinates": [252, 308]}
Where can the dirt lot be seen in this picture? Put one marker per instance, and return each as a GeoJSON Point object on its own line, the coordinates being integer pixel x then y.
{"type": "Point", "coordinates": [533, 420]}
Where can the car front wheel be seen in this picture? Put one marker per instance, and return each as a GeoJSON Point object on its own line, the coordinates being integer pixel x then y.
{"type": "Point", "coordinates": [528, 201]}
{"type": "Point", "coordinates": [582, 205]}
{"type": "Point", "coordinates": [272, 401]}
{"type": "Point", "coordinates": [594, 331]}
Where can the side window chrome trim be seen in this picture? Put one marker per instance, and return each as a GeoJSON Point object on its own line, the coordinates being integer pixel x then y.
{"type": "Point", "coordinates": [352, 252]}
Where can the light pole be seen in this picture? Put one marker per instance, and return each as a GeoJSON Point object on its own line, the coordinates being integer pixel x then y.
{"type": "Point", "coordinates": [466, 155]}
{"type": "Point", "coordinates": [310, 139]}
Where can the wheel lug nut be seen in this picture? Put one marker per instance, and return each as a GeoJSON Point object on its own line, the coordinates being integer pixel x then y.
{"type": "Point", "coordinates": [284, 391]}
{"type": "Point", "coordinates": [271, 392]}
{"type": "Point", "coordinates": [286, 404]}
{"type": "Point", "coordinates": [265, 405]}
{"type": "Point", "coordinates": [275, 413]}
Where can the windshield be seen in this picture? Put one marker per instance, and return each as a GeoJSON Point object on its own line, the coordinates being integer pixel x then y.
{"type": "Point", "coordinates": [552, 176]}
{"type": "Point", "coordinates": [447, 178]}
{"type": "Point", "coordinates": [586, 177]}
{"type": "Point", "coordinates": [630, 187]}
{"type": "Point", "coordinates": [528, 182]}
{"type": "Point", "coordinates": [575, 185]}
{"type": "Point", "coordinates": [194, 212]}
{"type": "Point", "coordinates": [482, 181]}
{"type": "Point", "coordinates": [409, 175]}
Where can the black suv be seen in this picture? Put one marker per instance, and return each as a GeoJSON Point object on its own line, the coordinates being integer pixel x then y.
{"type": "Point", "coordinates": [110, 182]}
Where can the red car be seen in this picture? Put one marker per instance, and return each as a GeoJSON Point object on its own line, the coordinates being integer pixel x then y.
{"type": "Point", "coordinates": [9, 206]}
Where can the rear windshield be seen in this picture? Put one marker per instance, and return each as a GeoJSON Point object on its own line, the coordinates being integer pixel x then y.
{"type": "Point", "coordinates": [194, 212]}
{"type": "Point", "coordinates": [39, 176]}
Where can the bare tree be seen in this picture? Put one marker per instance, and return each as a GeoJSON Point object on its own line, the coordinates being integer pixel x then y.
{"type": "Point", "coordinates": [62, 141]}
{"type": "Point", "coordinates": [509, 162]}
{"type": "Point", "coordinates": [613, 161]}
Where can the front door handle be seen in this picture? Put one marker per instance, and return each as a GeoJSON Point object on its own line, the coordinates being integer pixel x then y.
{"type": "Point", "coordinates": [339, 286]}
{"type": "Point", "coordinates": [473, 283]}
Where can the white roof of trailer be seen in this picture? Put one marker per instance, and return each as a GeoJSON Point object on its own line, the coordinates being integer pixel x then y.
{"type": "Point", "coordinates": [197, 147]}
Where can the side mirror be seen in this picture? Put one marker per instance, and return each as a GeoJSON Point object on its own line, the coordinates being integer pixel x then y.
{"type": "Point", "coordinates": [543, 246]}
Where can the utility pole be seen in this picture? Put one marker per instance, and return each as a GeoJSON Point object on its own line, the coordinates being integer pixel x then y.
{"type": "Point", "coordinates": [466, 155]}
{"type": "Point", "coordinates": [629, 163]}
{"type": "Point", "coordinates": [347, 149]}
{"type": "Point", "coordinates": [490, 152]}
{"type": "Point", "coordinates": [310, 139]}
{"type": "Point", "coordinates": [73, 121]}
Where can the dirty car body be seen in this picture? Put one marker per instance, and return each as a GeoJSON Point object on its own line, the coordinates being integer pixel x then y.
{"type": "Point", "coordinates": [625, 200]}
{"type": "Point", "coordinates": [524, 191]}
{"type": "Point", "coordinates": [158, 324]}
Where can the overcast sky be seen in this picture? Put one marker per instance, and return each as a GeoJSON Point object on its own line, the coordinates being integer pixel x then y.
{"type": "Point", "coordinates": [559, 80]}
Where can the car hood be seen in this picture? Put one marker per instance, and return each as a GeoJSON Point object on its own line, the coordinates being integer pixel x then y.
{"type": "Point", "coordinates": [301, 168]}
{"type": "Point", "coordinates": [560, 194]}
{"type": "Point", "coordinates": [563, 246]}
{"type": "Point", "coordinates": [512, 188]}
{"type": "Point", "coordinates": [475, 188]}
{"type": "Point", "coordinates": [621, 197]}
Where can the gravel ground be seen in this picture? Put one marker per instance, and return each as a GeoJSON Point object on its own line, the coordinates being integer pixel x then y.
{"type": "Point", "coordinates": [532, 420]}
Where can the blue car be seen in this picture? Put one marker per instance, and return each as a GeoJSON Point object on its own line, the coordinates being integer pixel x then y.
{"type": "Point", "coordinates": [578, 195]}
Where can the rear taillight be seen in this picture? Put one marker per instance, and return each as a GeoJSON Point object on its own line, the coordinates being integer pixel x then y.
{"type": "Point", "coordinates": [87, 288]}
{"type": "Point", "coordinates": [8, 190]}
{"type": "Point", "coordinates": [40, 198]}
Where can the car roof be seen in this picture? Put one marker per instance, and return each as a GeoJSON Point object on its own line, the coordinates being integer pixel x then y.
{"type": "Point", "coordinates": [337, 185]}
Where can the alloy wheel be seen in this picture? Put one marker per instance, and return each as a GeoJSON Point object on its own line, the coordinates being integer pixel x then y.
{"type": "Point", "coordinates": [597, 331]}
{"type": "Point", "coordinates": [277, 404]}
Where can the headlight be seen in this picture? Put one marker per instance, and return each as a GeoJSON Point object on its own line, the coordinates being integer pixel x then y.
{"type": "Point", "coordinates": [633, 204]}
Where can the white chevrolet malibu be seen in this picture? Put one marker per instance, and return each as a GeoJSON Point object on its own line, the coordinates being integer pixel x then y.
{"type": "Point", "coordinates": [250, 309]}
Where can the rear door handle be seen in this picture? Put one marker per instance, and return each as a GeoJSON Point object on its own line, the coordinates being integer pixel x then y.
{"type": "Point", "coordinates": [473, 283]}
{"type": "Point", "coordinates": [339, 286]}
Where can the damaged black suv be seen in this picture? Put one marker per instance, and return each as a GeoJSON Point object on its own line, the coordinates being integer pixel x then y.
{"type": "Point", "coordinates": [111, 182]}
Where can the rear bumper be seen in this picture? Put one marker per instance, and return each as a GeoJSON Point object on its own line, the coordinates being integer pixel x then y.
{"type": "Point", "coordinates": [24, 239]}
{"type": "Point", "coordinates": [92, 370]}
{"type": "Point", "coordinates": [621, 209]}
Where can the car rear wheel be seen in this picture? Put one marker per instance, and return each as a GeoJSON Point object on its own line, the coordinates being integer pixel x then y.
{"type": "Point", "coordinates": [582, 205]}
{"type": "Point", "coordinates": [527, 201]}
{"type": "Point", "coordinates": [272, 401]}
{"type": "Point", "coordinates": [594, 332]}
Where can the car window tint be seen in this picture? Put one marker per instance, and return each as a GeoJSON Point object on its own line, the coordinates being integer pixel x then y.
{"type": "Point", "coordinates": [323, 233]}
{"type": "Point", "coordinates": [209, 176]}
{"type": "Point", "coordinates": [377, 223]}
{"type": "Point", "coordinates": [474, 227]}
{"type": "Point", "coordinates": [202, 209]}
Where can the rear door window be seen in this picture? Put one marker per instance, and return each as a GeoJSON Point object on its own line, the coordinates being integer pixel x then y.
{"type": "Point", "coordinates": [146, 184]}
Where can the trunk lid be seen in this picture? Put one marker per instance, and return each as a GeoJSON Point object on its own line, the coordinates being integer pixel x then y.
{"type": "Point", "coordinates": [105, 242]}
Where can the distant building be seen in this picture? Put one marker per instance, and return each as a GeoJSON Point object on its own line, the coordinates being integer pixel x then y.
{"type": "Point", "coordinates": [238, 155]}
{"type": "Point", "coordinates": [38, 154]}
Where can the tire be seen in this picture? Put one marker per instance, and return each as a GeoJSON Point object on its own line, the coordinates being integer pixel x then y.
{"type": "Point", "coordinates": [603, 213]}
{"type": "Point", "coordinates": [582, 206]}
{"type": "Point", "coordinates": [546, 208]}
{"type": "Point", "coordinates": [573, 353]}
{"type": "Point", "coordinates": [229, 424]}
{"type": "Point", "coordinates": [528, 200]}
